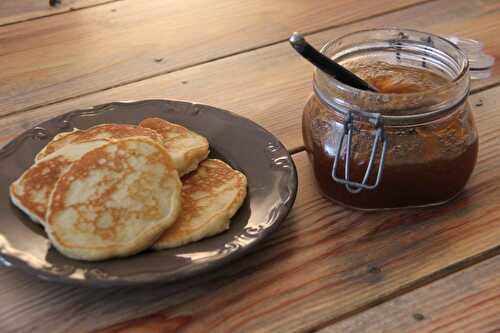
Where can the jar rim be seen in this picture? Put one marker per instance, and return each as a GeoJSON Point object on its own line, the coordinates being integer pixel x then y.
{"type": "Point", "coordinates": [389, 107]}
{"type": "Point", "coordinates": [449, 84]}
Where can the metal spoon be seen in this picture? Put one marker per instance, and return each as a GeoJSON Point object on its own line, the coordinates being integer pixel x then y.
{"type": "Point", "coordinates": [327, 65]}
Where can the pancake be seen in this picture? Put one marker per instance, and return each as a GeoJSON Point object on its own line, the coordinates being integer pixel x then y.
{"type": "Point", "coordinates": [186, 147]}
{"type": "Point", "coordinates": [31, 191]}
{"type": "Point", "coordinates": [211, 195]}
{"type": "Point", "coordinates": [116, 200]}
{"type": "Point", "coordinates": [104, 131]}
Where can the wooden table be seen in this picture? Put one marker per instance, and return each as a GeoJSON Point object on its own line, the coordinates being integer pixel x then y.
{"type": "Point", "coordinates": [326, 269]}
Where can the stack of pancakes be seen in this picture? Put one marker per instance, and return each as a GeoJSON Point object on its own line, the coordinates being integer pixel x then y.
{"type": "Point", "coordinates": [114, 190]}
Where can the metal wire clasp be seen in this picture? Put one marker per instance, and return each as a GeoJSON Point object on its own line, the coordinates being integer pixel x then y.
{"type": "Point", "coordinates": [353, 186]}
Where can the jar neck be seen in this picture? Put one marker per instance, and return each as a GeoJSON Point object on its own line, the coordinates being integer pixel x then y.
{"type": "Point", "coordinates": [399, 48]}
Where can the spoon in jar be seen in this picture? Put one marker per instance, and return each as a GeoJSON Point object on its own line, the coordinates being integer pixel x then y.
{"type": "Point", "coordinates": [326, 64]}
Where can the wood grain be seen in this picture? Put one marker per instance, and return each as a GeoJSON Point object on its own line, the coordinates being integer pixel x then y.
{"type": "Point", "coordinates": [84, 51]}
{"type": "Point", "coordinates": [467, 301]}
{"type": "Point", "coordinates": [272, 83]}
{"type": "Point", "coordinates": [323, 263]}
{"type": "Point", "coordinates": [12, 11]}
{"type": "Point", "coordinates": [327, 262]}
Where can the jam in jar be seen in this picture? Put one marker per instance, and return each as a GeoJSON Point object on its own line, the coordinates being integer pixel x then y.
{"type": "Point", "coordinates": [413, 143]}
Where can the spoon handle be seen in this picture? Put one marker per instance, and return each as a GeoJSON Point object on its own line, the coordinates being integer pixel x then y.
{"type": "Point", "coordinates": [327, 65]}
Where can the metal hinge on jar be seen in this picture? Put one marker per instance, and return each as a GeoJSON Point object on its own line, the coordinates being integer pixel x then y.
{"type": "Point", "coordinates": [379, 137]}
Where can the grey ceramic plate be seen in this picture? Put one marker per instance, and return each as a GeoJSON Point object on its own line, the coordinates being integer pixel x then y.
{"type": "Point", "coordinates": [272, 186]}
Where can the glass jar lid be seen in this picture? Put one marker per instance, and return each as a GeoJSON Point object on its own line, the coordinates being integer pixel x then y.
{"type": "Point", "coordinates": [480, 63]}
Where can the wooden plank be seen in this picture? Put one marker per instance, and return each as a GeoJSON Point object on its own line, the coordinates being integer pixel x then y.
{"type": "Point", "coordinates": [467, 301]}
{"type": "Point", "coordinates": [63, 56]}
{"type": "Point", "coordinates": [272, 84]}
{"type": "Point", "coordinates": [23, 10]}
{"type": "Point", "coordinates": [324, 262]}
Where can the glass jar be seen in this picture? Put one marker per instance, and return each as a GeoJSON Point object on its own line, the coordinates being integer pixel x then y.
{"type": "Point", "coordinates": [414, 143]}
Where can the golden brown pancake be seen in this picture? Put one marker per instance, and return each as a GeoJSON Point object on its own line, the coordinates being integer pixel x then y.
{"type": "Point", "coordinates": [31, 192]}
{"type": "Point", "coordinates": [116, 200]}
{"type": "Point", "coordinates": [186, 147]}
{"type": "Point", "coordinates": [104, 131]}
{"type": "Point", "coordinates": [211, 195]}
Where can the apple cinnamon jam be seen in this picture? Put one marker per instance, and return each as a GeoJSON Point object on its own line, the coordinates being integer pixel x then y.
{"type": "Point", "coordinates": [414, 143]}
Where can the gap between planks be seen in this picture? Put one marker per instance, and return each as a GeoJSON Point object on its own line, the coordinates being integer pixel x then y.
{"type": "Point", "coordinates": [438, 306]}
{"type": "Point", "coordinates": [438, 275]}
{"type": "Point", "coordinates": [195, 64]}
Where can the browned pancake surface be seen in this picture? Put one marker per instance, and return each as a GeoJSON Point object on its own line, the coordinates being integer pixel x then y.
{"type": "Point", "coordinates": [211, 195]}
{"type": "Point", "coordinates": [116, 200]}
{"type": "Point", "coordinates": [104, 131]}
{"type": "Point", "coordinates": [186, 147]}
